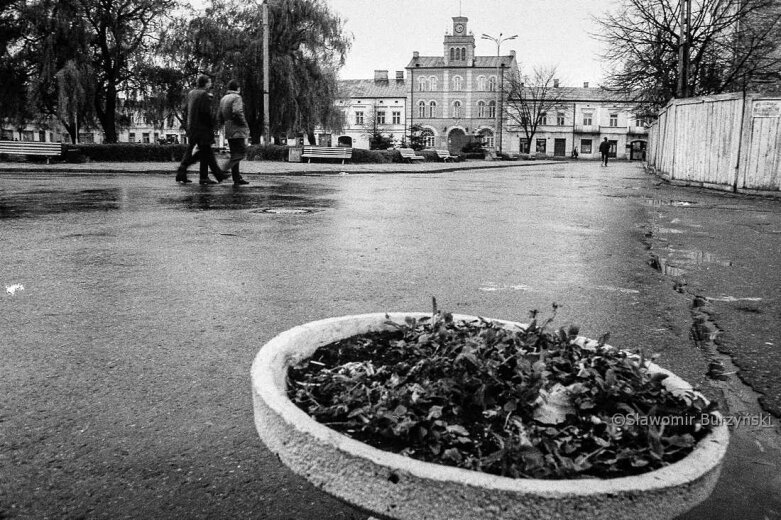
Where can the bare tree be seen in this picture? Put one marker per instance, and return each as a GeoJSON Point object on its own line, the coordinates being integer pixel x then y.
{"type": "Point", "coordinates": [731, 45]}
{"type": "Point", "coordinates": [530, 99]}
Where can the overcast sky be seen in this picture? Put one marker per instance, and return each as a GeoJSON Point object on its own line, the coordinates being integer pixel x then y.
{"type": "Point", "coordinates": [550, 32]}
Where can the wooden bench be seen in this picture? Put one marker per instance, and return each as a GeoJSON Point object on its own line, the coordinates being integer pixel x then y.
{"type": "Point", "coordinates": [445, 155]}
{"type": "Point", "coordinates": [327, 152]}
{"type": "Point", "coordinates": [31, 148]}
{"type": "Point", "coordinates": [409, 154]}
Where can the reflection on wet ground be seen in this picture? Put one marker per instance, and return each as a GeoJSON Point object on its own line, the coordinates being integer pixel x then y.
{"type": "Point", "coordinates": [293, 198]}
{"type": "Point", "coordinates": [46, 202]}
{"type": "Point", "coordinates": [678, 261]}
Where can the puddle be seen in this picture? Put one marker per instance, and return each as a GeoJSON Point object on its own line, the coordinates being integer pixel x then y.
{"type": "Point", "coordinates": [697, 258]}
{"type": "Point", "coordinates": [665, 267]}
{"type": "Point", "coordinates": [674, 203]}
{"type": "Point", "coordinates": [285, 211]}
{"type": "Point", "coordinates": [492, 287]}
{"type": "Point", "coordinates": [286, 198]}
{"type": "Point", "coordinates": [47, 202]}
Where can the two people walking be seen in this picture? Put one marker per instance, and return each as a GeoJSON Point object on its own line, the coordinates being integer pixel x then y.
{"type": "Point", "coordinates": [200, 132]}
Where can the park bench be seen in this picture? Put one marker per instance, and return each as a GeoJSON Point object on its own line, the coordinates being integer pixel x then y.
{"type": "Point", "coordinates": [408, 154]}
{"type": "Point", "coordinates": [445, 156]}
{"type": "Point", "coordinates": [31, 148]}
{"type": "Point", "coordinates": [327, 152]}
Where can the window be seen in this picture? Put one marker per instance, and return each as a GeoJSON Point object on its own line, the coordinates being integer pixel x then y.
{"type": "Point", "coordinates": [381, 117]}
{"type": "Point", "coordinates": [422, 84]}
{"type": "Point", "coordinates": [452, 53]}
{"type": "Point", "coordinates": [457, 83]}
{"type": "Point", "coordinates": [524, 145]}
{"type": "Point", "coordinates": [614, 120]}
{"type": "Point", "coordinates": [481, 109]}
{"type": "Point", "coordinates": [359, 117]}
{"type": "Point", "coordinates": [41, 136]}
{"type": "Point", "coordinates": [432, 109]}
{"type": "Point", "coordinates": [487, 138]}
{"type": "Point", "coordinates": [560, 119]}
{"type": "Point", "coordinates": [396, 118]}
{"type": "Point", "coordinates": [27, 135]}
{"type": "Point", "coordinates": [541, 144]}
{"type": "Point", "coordinates": [492, 84]}
{"type": "Point", "coordinates": [89, 138]}
{"type": "Point", "coordinates": [456, 109]}
{"type": "Point", "coordinates": [543, 118]}
{"type": "Point", "coordinates": [131, 137]}
{"type": "Point", "coordinates": [421, 109]}
{"type": "Point", "coordinates": [585, 146]}
{"type": "Point", "coordinates": [432, 83]}
{"type": "Point", "coordinates": [428, 138]}
{"type": "Point", "coordinates": [463, 53]}
{"type": "Point", "coordinates": [492, 109]}
{"type": "Point", "coordinates": [145, 137]}
{"type": "Point", "coordinates": [157, 137]}
{"type": "Point", "coordinates": [481, 83]}
{"type": "Point", "coordinates": [587, 121]}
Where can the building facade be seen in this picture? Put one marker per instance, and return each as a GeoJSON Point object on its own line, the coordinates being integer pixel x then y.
{"type": "Point", "coordinates": [457, 97]}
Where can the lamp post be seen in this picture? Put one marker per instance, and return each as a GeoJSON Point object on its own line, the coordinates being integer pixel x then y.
{"type": "Point", "coordinates": [266, 121]}
{"type": "Point", "coordinates": [498, 40]}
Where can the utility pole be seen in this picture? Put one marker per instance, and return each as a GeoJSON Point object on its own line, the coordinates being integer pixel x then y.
{"type": "Point", "coordinates": [266, 83]}
{"type": "Point", "coordinates": [683, 49]}
{"type": "Point", "coordinates": [499, 88]}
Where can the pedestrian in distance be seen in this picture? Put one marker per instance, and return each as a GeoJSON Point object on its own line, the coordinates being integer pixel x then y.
{"type": "Point", "coordinates": [200, 133]}
{"type": "Point", "coordinates": [231, 114]}
{"type": "Point", "coordinates": [604, 149]}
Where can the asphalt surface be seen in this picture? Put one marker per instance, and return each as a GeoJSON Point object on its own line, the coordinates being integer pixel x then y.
{"type": "Point", "coordinates": [134, 307]}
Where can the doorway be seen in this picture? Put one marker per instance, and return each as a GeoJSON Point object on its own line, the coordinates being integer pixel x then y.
{"type": "Point", "coordinates": [559, 147]}
{"type": "Point", "coordinates": [456, 140]}
{"type": "Point", "coordinates": [637, 150]}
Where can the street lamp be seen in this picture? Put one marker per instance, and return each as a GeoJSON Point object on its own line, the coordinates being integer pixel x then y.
{"type": "Point", "coordinates": [498, 40]}
{"type": "Point", "coordinates": [266, 122]}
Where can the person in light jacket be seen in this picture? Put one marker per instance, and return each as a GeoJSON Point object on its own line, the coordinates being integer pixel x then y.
{"type": "Point", "coordinates": [231, 114]}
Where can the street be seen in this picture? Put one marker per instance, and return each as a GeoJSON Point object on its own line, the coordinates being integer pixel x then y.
{"type": "Point", "coordinates": [134, 306]}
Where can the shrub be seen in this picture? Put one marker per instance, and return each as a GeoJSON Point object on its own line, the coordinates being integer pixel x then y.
{"type": "Point", "coordinates": [361, 155]}
{"type": "Point", "coordinates": [131, 152]}
{"type": "Point", "coordinates": [267, 152]}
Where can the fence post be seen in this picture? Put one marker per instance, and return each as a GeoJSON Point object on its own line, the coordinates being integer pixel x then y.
{"type": "Point", "coordinates": [744, 142]}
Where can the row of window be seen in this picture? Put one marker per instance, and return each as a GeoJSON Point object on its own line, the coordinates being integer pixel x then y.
{"type": "Point", "coordinates": [484, 110]}
{"type": "Point", "coordinates": [541, 145]}
{"type": "Point", "coordinates": [381, 119]}
{"type": "Point", "coordinates": [588, 120]}
{"type": "Point", "coordinates": [457, 83]}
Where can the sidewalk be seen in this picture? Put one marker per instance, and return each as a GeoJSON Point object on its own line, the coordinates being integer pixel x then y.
{"type": "Point", "coordinates": [269, 167]}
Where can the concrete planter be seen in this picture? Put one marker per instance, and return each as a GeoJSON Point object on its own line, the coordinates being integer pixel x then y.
{"type": "Point", "coordinates": [393, 486]}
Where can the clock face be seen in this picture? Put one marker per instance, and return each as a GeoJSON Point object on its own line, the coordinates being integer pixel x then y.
{"type": "Point", "coordinates": [459, 28]}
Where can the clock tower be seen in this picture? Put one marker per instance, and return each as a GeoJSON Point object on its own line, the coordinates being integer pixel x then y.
{"type": "Point", "coordinates": [460, 44]}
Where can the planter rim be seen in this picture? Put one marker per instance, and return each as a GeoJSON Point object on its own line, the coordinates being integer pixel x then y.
{"type": "Point", "coordinates": [278, 354]}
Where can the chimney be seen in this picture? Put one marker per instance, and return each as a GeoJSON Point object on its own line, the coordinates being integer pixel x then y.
{"type": "Point", "coordinates": [380, 76]}
{"type": "Point", "coordinates": [512, 53]}
{"type": "Point", "coordinates": [399, 76]}
{"type": "Point", "coordinates": [415, 55]}
{"type": "Point", "coordinates": [585, 84]}
{"type": "Point", "coordinates": [555, 83]}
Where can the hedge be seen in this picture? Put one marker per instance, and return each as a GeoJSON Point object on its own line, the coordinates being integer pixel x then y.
{"type": "Point", "coordinates": [148, 152]}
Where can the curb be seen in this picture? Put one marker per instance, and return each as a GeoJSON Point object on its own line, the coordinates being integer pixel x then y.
{"type": "Point", "coordinates": [119, 170]}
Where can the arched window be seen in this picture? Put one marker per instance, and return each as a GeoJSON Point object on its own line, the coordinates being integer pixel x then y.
{"type": "Point", "coordinates": [432, 109]}
{"type": "Point", "coordinates": [428, 137]}
{"type": "Point", "coordinates": [487, 137]}
{"type": "Point", "coordinates": [421, 109]}
{"type": "Point", "coordinates": [492, 109]}
{"type": "Point", "coordinates": [463, 53]}
{"type": "Point", "coordinates": [452, 53]}
{"type": "Point", "coordinates": [481, 109]}
{"type": "Point", "coordinates": [457, 83]}
{"type": "Point", "coordinates": [481, 83]}
{"type": "Point", "coordinates": [492, 83]}
{"type": "Point", "coordinates": [423, 84]}
{"type": "Point", "coordinates": [456, 109]}
{"type": "Point", "coordinates": [432, 83]}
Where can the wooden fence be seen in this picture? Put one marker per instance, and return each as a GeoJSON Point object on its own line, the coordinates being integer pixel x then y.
{"type": "Point", "coordinates": [729, 141]}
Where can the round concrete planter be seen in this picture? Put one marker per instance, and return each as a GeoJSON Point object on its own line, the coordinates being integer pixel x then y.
{"type": "Point", "coordinates": [392, 486]}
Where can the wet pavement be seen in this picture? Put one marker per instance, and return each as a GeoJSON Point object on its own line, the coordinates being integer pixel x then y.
{"type": "Point", "coordinates": [134, 307]}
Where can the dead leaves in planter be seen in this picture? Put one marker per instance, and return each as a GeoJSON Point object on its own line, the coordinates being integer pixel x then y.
{"type": "Point", "coordinates": [524, 403]}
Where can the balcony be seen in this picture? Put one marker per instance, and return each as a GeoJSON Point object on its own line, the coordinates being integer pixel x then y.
{"type": "Point", "coordinates": [638, 130]}
{"type": "Point", "coordinates": [586, 129]}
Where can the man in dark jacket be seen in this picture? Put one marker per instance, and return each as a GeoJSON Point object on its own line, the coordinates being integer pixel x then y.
{"type": "Point", "coordinates": [200, 133]}
{"type": "Point", "coordinates": [231, 114]}
{"type": "Point", "coordinates": [604, 149]}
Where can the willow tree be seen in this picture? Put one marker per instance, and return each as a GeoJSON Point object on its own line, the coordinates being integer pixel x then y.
{"type": "Point", "coordinates": [306, 47]}
{"type": "Point", "coordinates": [733, 45]}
